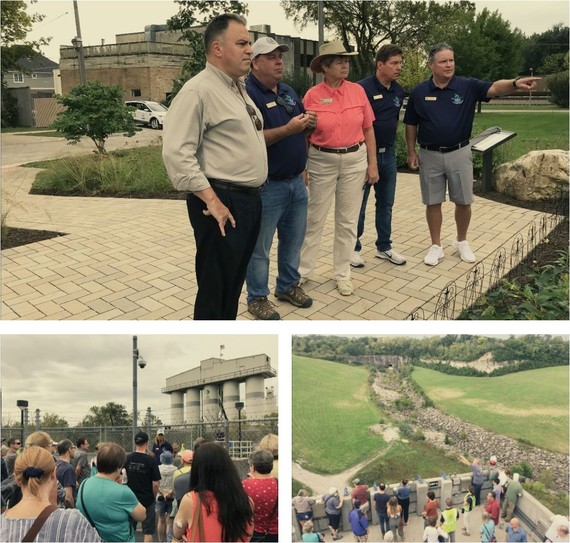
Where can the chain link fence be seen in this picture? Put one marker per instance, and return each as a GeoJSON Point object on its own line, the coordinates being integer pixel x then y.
{"type": "Point", "coordinates": [240, 437]}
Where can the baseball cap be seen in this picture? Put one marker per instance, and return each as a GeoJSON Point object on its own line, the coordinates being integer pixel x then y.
{"type": "Point", "coordinates": [141, 438]}
{"type": "Point", "coordinates": [262, 46]}
{"type": "Point", "coordinates": [166, 458]}
{"type": "Point", "coordinates": [187, 455]}
{"type": "Point", "coordinates": [160, 431]}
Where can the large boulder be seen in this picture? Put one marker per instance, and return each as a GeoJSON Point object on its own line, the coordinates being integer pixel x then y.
{"type": "Point", "coordinates": [538, 175]}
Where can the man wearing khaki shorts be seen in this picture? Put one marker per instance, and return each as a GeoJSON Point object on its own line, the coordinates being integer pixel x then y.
{"type": "Point", "coordinates": [439, 115]}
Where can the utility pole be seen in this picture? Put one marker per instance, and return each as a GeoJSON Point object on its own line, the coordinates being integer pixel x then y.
{"type": "Point", "coordinates": [78, 44]}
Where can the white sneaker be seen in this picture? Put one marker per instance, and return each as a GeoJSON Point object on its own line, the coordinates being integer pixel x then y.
{"type": "Point", "coordinates": [356, 261]}
{"type": "Point", "coordinates": [435, 254]}
{"type": "Point", "coordinates": [345, 287]}
{"type": "Point", "coordinates": [392, 256]}
{"type": "Point", "coordinates": [465, 252]}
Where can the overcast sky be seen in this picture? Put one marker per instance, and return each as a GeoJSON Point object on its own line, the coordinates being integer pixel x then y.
{"type": "Point", "coordinates": [67, 374]}
{"type": "Point", "coordinates": [103, 19]}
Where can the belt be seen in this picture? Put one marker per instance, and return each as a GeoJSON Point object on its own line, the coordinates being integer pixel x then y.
{"type": "Point", "coordinates": [339, 150]}
{"type": "Point", "coordinates": [445, 149]}
{"type": "Point", "coordinates": [224, 185]}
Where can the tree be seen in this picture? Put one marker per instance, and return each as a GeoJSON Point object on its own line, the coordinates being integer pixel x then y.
{"type": "Point", "coordinates": [541, 46]}
{"type": "Point", "coordinates": [367, 25]}
{"type": "Point", "coordinates": [191, 19]}
{"type": "Point", "coordinates": [94, 110]}
{"type": "Point", "coordinates": [485, 45]}
{"type": "Point", "coordinates": [110, 414]}
{"type": "Point", "coordinates": [52, 420]}
{"type": "Point", "coordinates": [15, 25]}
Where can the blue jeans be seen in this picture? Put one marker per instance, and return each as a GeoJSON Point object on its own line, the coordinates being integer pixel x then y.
{"type": "Point", "coordinates": [384, 524]}
{"type": "Point", "coordinates": [284, 208]}
{"type": "Point", "coordinates": [384, 192]}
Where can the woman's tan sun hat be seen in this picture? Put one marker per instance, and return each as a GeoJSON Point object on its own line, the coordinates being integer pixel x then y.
{"type": "Point", "coordinates": [331, 49]}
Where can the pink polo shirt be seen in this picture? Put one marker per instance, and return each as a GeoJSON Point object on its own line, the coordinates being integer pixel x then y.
{"type": "Point", "coordinates": [342, 113]}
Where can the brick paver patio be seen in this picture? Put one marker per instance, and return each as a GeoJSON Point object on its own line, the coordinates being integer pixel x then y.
{"type": "Point", "coordinates": [133, 259]}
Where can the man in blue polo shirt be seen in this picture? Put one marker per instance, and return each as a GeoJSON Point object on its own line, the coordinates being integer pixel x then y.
{"type": "Point", "coordinates": [284, 196]}
{"type": "Point", "coordinates": [439, 115]}
{"type": "Point", "coordinates": [386, 97]}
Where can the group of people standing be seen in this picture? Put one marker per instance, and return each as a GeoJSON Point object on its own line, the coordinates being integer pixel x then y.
{"type": "Point", "coordinates": [203, 500]}
{"type": "Point", "coordinates": [255, 159]}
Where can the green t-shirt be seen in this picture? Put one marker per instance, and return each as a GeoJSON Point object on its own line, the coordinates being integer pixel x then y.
{"type": "Point", "coordinates": [513, 488]}
{"type": "Point", "coordinates": [109, 505]}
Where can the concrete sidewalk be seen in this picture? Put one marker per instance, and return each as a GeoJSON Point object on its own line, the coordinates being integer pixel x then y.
{"type": "Point", "coordinates": [134, 259]}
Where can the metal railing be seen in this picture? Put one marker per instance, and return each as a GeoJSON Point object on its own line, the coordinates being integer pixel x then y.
{"type": "Point", "coordinates": [461, 294]}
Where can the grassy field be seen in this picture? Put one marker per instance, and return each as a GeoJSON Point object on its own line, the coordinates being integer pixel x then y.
{"type": "Point", "coordinates": [529, 405]}
{"type": "Point", "coordinates": [534, 131]}
{"type": "Point", "coordinates": [331, 415]}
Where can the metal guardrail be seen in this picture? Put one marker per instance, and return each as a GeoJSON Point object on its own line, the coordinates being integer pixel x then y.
{"type": "Point", "coordinates": [485, 275]}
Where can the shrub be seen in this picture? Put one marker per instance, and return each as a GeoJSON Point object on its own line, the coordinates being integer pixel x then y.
{"type": "Point", "coordinates": [524, 470]}
{"type": "Point", "coordinates": [546, 477]}
{"type": "Point", "coordinates": [559, 88]}
{"type": "Point", "coordinates": [403, 404]}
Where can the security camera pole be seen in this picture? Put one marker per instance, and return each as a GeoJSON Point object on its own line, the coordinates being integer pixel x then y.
{"type": "Point", "coordinates": [135, 362]}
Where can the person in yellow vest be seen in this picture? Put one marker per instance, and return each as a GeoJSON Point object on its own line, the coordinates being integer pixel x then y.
{"type": "Point", "coordinates": [448, 519]}
{"type": "Point", "coordinates": [468, 506]}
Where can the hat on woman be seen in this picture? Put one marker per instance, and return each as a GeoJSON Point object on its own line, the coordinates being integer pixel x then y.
{"type": "Point", "coordinates": [331, 49]}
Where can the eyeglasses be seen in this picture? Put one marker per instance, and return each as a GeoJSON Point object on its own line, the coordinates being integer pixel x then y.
{"type": "Point", "coordinates": [17, 442]}
{"type": "Point", "coordinates": [254, 117]}
{"type": "Point", "coordinates": [288, 107]}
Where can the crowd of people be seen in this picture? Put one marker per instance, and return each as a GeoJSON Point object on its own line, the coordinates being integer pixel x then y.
{"type": "Point", "coordinates": [189, 495]}
{"type": "Point", "coordinates": [441, 521]}
{"type": "Point", "coordinates": [255, 159]}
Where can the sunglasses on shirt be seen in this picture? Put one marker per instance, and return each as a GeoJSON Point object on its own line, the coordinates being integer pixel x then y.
{"type": "Point", "coordinates": [254, 117]}
{"type": "Point", "coordinates": [288, 107]}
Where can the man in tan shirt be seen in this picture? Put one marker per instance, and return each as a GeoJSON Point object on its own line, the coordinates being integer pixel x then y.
{"type": "Point", "coordinates": [214, 149]}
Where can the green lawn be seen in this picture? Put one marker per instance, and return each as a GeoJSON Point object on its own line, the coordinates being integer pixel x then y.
{"type": "Point", "coordinates": [331, 415]}
{"type": "Point", "coordinates": [534, 131]}
{"type": "Point", "coordinates": [529, 405]}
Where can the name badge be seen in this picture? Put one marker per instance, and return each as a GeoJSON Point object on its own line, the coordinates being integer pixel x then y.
{"type": "Point", "coordinates": [326, 100]}
{"type": "Point", "coordinates": [378, 97]}
{"type": "Point", "coordinates": [430, 98]}
{"type": "Point", "coordinates": [269, 105]}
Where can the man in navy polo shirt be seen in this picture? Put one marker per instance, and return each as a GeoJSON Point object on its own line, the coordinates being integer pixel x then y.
{"type": "Point", "coordinates": [284, 196]}
{"type": "Point", "coordinates": [386, 97]}
{"type": "Point", "coordinates": [440, 116]}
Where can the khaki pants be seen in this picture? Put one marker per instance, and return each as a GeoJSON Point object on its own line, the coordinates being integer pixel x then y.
{"type": "Point", "coordinates": [342, 177]}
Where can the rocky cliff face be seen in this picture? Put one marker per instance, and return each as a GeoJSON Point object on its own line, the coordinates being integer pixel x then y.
{"type": "Point", "coordinates": [469, 439]}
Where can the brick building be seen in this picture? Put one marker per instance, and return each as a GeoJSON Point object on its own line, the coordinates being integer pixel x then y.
{"type": "Point", "coordinates": [145, 63]}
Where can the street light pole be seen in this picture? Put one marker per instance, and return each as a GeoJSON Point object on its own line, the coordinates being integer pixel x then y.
{"type": "Point", "coordinates": [135, 360]}
{"type": "Point", "coordinates": [78, 44]}
{"type": "Point", "coordinates": [239, 406]}
{"type": "Point", "coordinates": [23, 406]}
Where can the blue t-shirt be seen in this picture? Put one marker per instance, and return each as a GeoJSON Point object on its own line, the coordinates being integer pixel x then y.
{"type": "Point", "coordinates": [386, 104]}
{"type": "Point", "coordinates": [109, 505]}
{"type": "Point", "coordinates": [66, 476]}
{"type": "Point", "coordinates": [403, 492]}
{"type": "Point", "coordinates": [381, 501]}
{"type": "Point", "coordinates": [288, 156]}
{"type": "Point", "coordinates": [516, 537]}
{"type": "Point", "coordinates": [358, 522]}
{"type": "Point", "coordinates": [445, 116]}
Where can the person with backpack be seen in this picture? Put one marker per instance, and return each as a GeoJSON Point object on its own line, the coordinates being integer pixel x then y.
{"type": "Point", "coordinates": [358, 523]}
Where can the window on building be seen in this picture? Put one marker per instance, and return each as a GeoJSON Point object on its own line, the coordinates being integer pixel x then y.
{"type": "Point", "coordinates": [18, 77]}
{"type": "Point", "coordinates": [135, 93]}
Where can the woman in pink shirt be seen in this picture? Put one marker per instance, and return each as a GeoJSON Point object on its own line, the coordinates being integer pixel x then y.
{"type": "Point", "coordinates": [342, 158]}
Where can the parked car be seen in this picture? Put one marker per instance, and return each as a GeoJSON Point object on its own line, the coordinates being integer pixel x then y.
{"type": "Point", "coordinates": [148, 113]}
